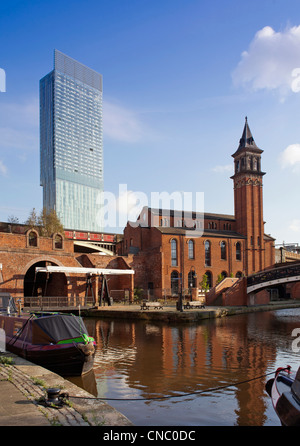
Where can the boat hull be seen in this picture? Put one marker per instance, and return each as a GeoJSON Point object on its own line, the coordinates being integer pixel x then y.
{"type": "Point", "coordinates": [66, 359]}
{"type": "Point", "coordinates": [284, 399]}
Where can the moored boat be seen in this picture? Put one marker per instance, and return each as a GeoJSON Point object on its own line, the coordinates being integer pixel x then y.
{"type": "Point", "coordinates": [284, 390]}
{"type": "Point", "coordinates": [56, 341]}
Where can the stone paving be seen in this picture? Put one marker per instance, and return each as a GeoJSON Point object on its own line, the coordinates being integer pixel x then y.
{"type": "Point", "coordinates": [23, 393]}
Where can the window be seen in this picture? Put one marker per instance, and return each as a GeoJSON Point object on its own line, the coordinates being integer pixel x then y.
{"type": "Point", "coordinates": [209, 278]}
{"type": "Point", "coordinates": [174, 252]}
{"type": "Point", "coordinates": [32, 238]}
{"type": "Point", "coordinates": [174, 282]}
{"type": "Point", "coordinates": [192, 279]}
{"type": "Point", "coordinates": [191, 249]}
{"type": "Point", "coordinates": [238, 253]}
{"type": "Point", "coordinates": [207, 253]}
{"type": "Point", "coordinates": [223, 250]}
{"type": "Point", "coordinates": [58, 241]}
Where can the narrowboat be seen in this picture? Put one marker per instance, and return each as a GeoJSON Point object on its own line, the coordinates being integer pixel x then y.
{"type": "Point", "coordinates": [57, 341]}
{"type": "Point", "coordinates": [284, 390]}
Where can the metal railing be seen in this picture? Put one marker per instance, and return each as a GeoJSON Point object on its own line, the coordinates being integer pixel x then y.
{"type": "Point", "coordinates": [274, 274]}
{"type": "Point", "coordinates": [53, 302]}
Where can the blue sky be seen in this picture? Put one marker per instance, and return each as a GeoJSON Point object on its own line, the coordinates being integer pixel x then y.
{"type": "Point", "coordinates": [179, 77]}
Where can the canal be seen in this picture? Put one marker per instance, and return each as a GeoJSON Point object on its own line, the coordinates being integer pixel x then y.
{"type": "Point", "coordinates": [138, 362]}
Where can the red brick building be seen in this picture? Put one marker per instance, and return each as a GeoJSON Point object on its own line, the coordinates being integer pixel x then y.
{"type": "Point", "coordinates": [21, 253]}
{"type": "Point", "coordinates": [166, 254]}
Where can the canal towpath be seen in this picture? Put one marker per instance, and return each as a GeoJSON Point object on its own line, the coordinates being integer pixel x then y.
{"type": "Point", "coordinates": [23, 395]}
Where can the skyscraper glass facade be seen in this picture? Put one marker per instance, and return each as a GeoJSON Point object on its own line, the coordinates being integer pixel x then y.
{"type": "Point", "coordinates": [71, 143]}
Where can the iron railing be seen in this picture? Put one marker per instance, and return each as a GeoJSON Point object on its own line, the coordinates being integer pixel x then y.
{"type": "Point", "coordinates": [274, 274]}
{"type": "Point", "coordinates": [52, 302]}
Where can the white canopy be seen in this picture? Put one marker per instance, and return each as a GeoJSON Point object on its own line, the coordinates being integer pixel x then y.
{"type": "Point", "coordinates": [79, 270]}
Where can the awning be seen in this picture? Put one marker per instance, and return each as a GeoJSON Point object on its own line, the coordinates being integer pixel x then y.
{"type": "Point", "coordinates": [79, 270]}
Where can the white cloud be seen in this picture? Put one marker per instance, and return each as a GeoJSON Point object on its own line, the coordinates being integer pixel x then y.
{"type": "Point", "coordinates": [271, 61]}
{"type": "Point", "coordinates": [121, 124]}
{"type": "Point", "coordinates": [290, 157]}
{"type": "Point", "coordinates": [295, 225]}
{"type": "Point", "coordinates": [221, 169]}
{"type": "Point", "coordinates": [3, 168]}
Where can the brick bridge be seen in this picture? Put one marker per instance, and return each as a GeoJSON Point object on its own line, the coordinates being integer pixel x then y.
{"type": "Point", "coordinates": [21, 254]}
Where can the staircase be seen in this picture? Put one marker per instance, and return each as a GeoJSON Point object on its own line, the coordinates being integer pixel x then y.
{"type": "Point", "coordinates": [228, 292]}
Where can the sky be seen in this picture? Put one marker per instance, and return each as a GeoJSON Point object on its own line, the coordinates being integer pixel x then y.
{"type": "Point", "coordinates": [179, 78]}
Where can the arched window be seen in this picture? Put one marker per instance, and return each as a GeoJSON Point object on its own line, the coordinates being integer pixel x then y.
{"type": "Point", "coordinates": [238, 252]}
{"type": "Point", "coordinates": [58, 241]}
{"type": "Point", "coordinates": [209, 278]}
{"type": "Point", "coordinates": [191, 247]}
{"type": "Point", "coordinates": [207, 253]}
{"type": "Point", "coordinates": [192, 279]}
{"type": "Point", "coordinates": [239, 274]}
{"type": "Point", "coordinates": [32, 238]}
{"type": "Point", "coordinates": [174, 282]}
{"type": "Point", "coordinates": [223, 251]}
{"type": "Point", "coordinates": [174, 252]}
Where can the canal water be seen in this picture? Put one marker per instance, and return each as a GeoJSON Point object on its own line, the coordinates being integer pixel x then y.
{"type": "Point", "coordinates": [208, 371]}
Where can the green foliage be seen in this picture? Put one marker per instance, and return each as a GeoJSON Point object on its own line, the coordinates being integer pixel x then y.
{"type": "Point", "coordinates": [47, 223]}
{"type": "Point", "coordinates": [220, 278]}
{"type": "Point", "coordinates": [204, 284]}
{"type": "Point", "coordinates": [138, 293]}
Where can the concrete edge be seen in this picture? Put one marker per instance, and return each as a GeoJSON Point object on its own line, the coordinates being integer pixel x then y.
{"type": "Point", "coordinates": [82, 408]}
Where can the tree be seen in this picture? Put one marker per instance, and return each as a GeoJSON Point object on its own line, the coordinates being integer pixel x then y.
{"type": "Point", "coordinates": [12, 219]}
{"type": "Point", "coordinates": [204, 283]}
{"type": "Point", "coordinates": [32, 220]}
{"type": "Point", "coordinates": [47, 223]}
{"type": "Point", "coordinates": [220, 278]}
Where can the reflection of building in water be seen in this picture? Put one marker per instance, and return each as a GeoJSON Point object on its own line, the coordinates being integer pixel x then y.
{"type": "Point", "coordinates": [165, 360]}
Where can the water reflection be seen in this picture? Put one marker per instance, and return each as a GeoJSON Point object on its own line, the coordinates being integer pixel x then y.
{"type": "Point", "coordinates": [148, 360]}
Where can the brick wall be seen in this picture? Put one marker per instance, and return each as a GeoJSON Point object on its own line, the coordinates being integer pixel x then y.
{"type": "Point", "coordinates": [19, 261]}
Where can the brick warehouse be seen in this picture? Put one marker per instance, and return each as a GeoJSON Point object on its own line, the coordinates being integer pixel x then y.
{"type": "Point", "coordinates": [21, 253]}
{"type": "Point", "coordinates": [165, 258]}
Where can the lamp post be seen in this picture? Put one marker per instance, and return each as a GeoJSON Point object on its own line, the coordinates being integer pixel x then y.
{"type": "Point", "coordinates": [192, 279]}
{"type": "Point", "coordinates": [179, 305]}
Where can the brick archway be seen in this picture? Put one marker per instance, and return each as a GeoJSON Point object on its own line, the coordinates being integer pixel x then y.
{"type": "Point", "coordinates": [43, 284]}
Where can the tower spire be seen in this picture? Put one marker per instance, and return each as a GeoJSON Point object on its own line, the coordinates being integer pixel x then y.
{"type": "Point", "coordinates": [247, 139]}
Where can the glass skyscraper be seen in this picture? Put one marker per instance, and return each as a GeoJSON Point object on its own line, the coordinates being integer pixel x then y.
{"type": "Point", "coordinates": [71, 143]}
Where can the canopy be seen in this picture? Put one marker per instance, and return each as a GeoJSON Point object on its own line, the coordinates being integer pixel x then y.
{"type": "Point", "coordinates": [79, 270]}
{"type": "Point", "coordinates": [57, 327]}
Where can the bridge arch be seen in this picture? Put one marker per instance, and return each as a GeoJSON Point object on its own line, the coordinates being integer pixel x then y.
{"type": "Point", "coordinates": [273, 277]}
{"type": "Point", "coordinates": [42, 284]}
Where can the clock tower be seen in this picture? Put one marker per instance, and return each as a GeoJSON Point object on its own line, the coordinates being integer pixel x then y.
{"type": "Point", "coordinates": [248, 200]}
